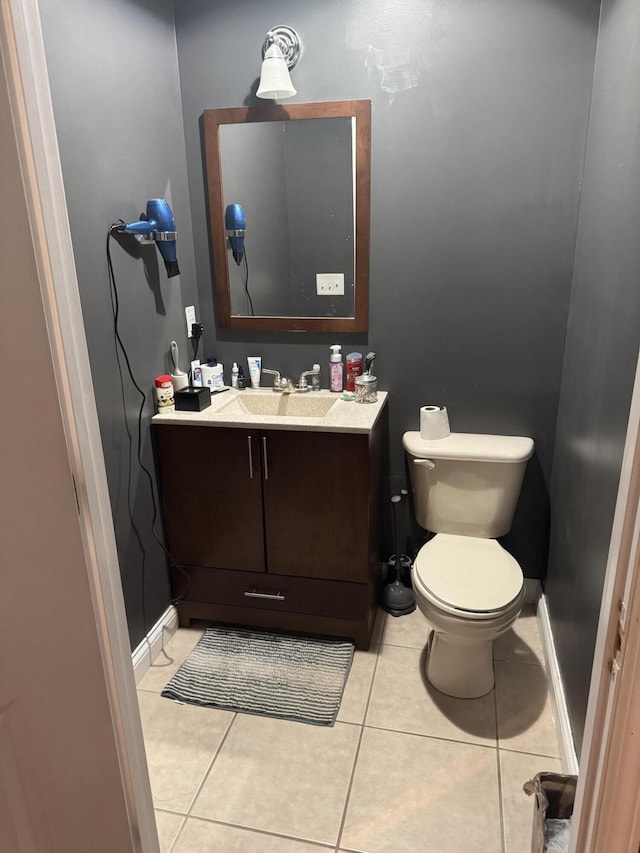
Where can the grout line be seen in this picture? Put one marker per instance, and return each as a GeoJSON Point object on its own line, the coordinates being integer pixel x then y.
{"type": "Point", "coordinates": [362, 728]}
{"type": "Point", "coordinates": [432, 737]}
{"type": "Point", "coordinates": [536, 754]}
{"type": "Point", "coordinates": [181, 827]}
{"type": "Point", "coordinates": [265, 832]}
{"type": "Point", "coordinates": [539, 665]}
{"type": "Point", "coordinates": [205, 775]}
{"type": "Point", "coordinates": [503, 834]}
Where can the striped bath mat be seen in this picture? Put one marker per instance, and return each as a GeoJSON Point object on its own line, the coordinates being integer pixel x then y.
{"type": "Point", "coordinates": [266, 673]}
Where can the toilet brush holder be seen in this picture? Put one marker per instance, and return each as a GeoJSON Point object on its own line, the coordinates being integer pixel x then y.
{"type": "Point", "coordinates": [403, 571]}
{"type": "Point", "coordinates": [397, 596]}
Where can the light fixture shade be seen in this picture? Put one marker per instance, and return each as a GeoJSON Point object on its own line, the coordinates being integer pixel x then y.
{"type": "Point", "coordinates": [275, 81]}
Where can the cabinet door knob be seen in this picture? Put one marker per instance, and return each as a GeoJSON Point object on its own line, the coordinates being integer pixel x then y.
{"type": "Point", "coordinates": [250, 458]}
{"type": "Point", "coordinates": [275, 596]}
{"type": "Point", "coordinates": [264, 454]}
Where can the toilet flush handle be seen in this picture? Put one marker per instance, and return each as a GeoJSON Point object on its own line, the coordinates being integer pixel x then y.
{"type": "Point", "coordinates": [425, 463]}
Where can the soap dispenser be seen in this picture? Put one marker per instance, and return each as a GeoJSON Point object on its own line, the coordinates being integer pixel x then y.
{"type": "Point", "coordinates": [335, 369]}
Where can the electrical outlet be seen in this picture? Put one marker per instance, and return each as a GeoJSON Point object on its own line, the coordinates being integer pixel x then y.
{"type": "Point", "coordinates": [330, 283]}
{"type": "Point", "coordinates": [190, 314]}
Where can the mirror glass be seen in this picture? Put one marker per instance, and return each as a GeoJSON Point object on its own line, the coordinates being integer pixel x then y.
{"type": "Point", "coordinates": [301, 175]}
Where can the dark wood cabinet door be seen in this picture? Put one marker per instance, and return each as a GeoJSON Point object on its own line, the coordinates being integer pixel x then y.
{"type": "Point", "coordinates": [316, 504]}
{"type": "Point", "coordinates": [212, 496]}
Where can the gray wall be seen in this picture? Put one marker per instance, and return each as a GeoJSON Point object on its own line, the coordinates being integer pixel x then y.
{"type": "Point", "coordinates": [114, 79]}
{"type": "Point", "coordinates": [479, 126]}
{"type": "Point", "coordinates": [602, 347]}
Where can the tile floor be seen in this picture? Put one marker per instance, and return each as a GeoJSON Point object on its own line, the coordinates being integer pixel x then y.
{"type": "Point", "coordinates": [404, 770]}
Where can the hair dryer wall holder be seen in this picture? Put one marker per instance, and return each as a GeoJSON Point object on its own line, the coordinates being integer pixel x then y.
{"type": "Point", "coordinates": [154, 236]}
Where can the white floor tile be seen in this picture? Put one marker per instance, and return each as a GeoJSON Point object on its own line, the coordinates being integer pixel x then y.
{"type": "Point", "coordinates": [169, 661]}
{"type": "Point", "coordinates": [180, 742]}
{"type": "Point", "coordinates": [525, 714]}
{"type": "Point", "coordinates": [403, 700]}
{"type": "Point", "coordinates": [168, 826]}
{"type": "Point", "coordinates": [516, 768]}
{"type": "Point", "coordinates": [282, 777]}
{"type": "Point", "coordinates": [420, 794]}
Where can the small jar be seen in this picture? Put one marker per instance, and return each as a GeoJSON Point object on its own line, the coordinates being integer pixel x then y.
{"type": "Point", "coordinates": [366, 388]}
{"type": "Point", "coordinates": [164, 394]}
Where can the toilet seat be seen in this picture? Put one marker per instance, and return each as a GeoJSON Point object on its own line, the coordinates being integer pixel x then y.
{"type": "Point", "coordinates": [471, 577]}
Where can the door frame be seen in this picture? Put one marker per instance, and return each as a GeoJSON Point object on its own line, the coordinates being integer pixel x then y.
{"type": "Point", "coordinates": [607, 808]}
{"type": "Point", "coordinates": [24, 60]}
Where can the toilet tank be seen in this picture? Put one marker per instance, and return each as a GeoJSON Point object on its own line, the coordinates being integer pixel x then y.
{"type": "Point", "coordinates": [467, 484]}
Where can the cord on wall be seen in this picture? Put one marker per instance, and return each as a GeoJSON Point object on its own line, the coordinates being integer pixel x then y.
{"type": "Point", "coordinates": [121, 349]}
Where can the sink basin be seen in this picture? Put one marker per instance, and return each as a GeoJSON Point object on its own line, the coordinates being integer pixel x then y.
{"type": "Point", "coordinates": [281, 405]}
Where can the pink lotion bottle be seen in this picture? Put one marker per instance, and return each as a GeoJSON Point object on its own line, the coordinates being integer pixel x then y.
{"type": "Point", "coordinates": [336, 369]}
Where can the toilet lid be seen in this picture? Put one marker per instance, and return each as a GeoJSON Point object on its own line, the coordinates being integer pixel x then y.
{"type": "Point", "coordinates": [467, 573]}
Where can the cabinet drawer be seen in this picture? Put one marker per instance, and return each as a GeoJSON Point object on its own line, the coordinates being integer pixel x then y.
{"type": "Point", "coordinates": [338, 599]}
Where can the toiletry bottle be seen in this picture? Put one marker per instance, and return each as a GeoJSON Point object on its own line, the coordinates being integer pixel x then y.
{"type": "Point", "coordinates": [234, 375]}
{"type": "Point", "coordinates": [241, 380]}
{"type": "Point", "coordinates": [315, 378]}
{"type": "Point", "coordinates": [212, 374]}
{"type": "Point", "coordinates": [354, 368]}
{"type": "Point", "coordinates": [335, 369]}
{"type": "Point", "coordinates": [163, 388]}
{"type": "Point", "coordinates": [255, 366]}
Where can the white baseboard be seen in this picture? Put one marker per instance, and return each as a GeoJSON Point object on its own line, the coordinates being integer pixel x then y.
{"type": "Point", "coordinates": [556, 686]}
{"type": "Point", "coordinates": [144, 655]}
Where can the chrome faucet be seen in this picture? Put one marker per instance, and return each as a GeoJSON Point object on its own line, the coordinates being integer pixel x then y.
{"type": "Point", "coordinates": [281, 384]}
{"type": "Point", "coordinates": [276, 375]}
{"type": "Point", "coordinates": [302, 384]}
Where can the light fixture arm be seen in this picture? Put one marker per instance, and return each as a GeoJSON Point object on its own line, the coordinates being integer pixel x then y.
{"type": "Point", "coordinates": [287, 40]}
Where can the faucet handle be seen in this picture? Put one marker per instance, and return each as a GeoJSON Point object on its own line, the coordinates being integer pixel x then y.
{"type": "Point", "coordinates": [303, 385]}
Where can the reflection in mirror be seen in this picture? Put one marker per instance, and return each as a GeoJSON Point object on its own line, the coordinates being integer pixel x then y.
{"type": "Point", "coordinates": [297, 227]}
{"type": "Point", "coordinates": [299, 177]}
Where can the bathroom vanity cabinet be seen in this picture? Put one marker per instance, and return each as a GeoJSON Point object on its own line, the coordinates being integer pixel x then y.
{"type": "Point", "coordinates": [274, 528]}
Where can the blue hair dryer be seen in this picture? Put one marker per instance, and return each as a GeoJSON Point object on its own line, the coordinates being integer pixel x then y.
{"type": "Point", "coordinates": [158, 226]}
{"type": "Point", "coordinates": [235, 224]}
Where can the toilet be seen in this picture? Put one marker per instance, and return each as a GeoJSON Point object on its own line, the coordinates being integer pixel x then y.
{"type": "Point", "coordinates": [465, 490]}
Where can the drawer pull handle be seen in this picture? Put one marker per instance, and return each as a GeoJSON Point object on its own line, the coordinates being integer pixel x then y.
{"type": "Point", "coordinates": [266, 461]}
{"type": "Point", "coordinates": [275, 596]}
{"type": "Point", "coordinates": [250, 458]}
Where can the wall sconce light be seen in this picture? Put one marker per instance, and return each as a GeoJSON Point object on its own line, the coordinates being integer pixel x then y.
{"type": "Point", "coordinates": [280, 52]}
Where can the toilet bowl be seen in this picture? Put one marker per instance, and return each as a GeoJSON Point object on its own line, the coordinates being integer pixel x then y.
{"type": "Point", "coordinates": [471, 591]}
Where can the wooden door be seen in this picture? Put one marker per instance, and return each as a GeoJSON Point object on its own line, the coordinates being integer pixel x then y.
{"type": "Point", "coordinates": [316, 493]}
{"type": "Point", "coordinates": [212, 496]}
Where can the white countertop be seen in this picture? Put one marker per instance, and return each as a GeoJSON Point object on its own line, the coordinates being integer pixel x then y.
{"type": "Point", "coordinates": [225, 410]}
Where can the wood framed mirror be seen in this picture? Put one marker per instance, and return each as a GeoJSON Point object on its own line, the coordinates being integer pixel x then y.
{"type": "Point", "coordinates": [302, 175]}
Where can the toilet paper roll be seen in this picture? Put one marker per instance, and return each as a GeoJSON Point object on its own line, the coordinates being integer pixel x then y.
{"type": "Point", "coordinates": [434, 422]}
